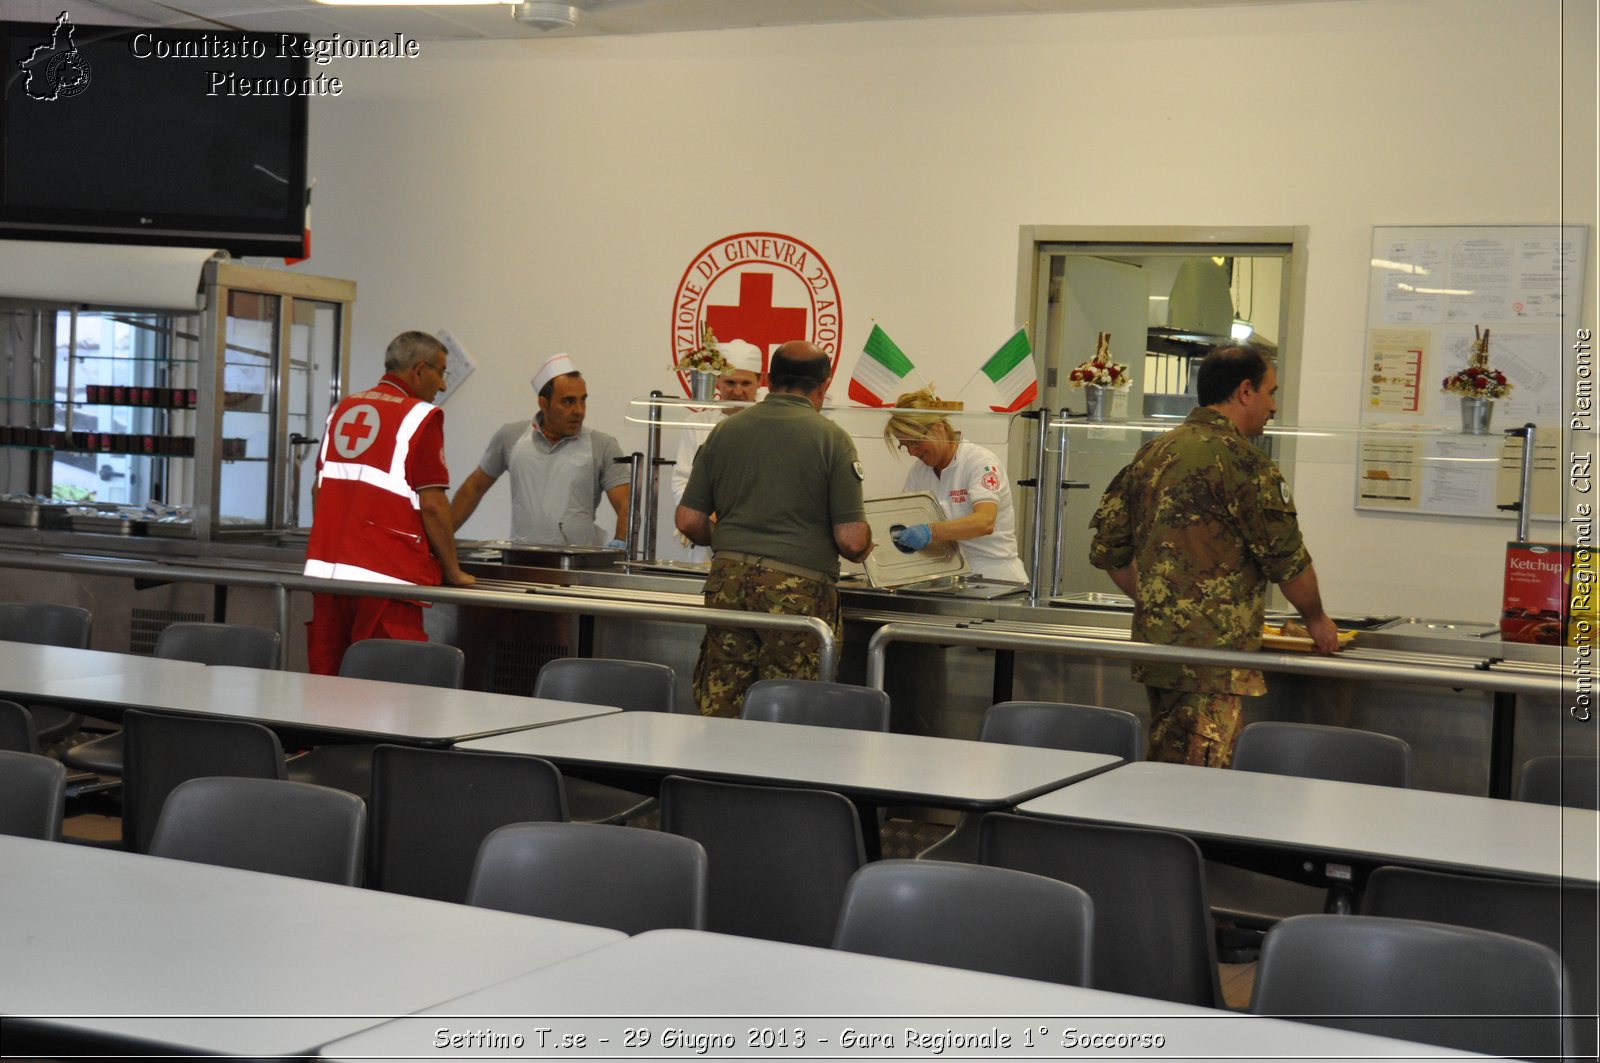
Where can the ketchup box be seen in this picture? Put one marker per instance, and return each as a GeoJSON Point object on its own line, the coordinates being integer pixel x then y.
{"type": "Point", "coordinates": [1533, 605]}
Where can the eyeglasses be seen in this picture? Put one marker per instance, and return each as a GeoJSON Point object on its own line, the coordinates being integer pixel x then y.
{"type": "Point", "coordinates": [442, 370]}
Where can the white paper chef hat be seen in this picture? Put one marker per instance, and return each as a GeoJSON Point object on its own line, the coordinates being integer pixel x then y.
{"type": "Point", "coordinates": [554, 366]}
{"type": "Point", "coordinates": [741, 355]}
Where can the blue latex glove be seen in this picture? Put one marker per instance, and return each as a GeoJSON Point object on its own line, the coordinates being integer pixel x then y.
{"type": "Point", "coordinates": [910, 540]}
{"type": "Point", "coordinates": [618, 544]}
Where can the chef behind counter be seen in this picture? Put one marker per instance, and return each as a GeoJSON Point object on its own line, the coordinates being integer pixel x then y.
{"type": "Point", "coordinates": [558, 468]}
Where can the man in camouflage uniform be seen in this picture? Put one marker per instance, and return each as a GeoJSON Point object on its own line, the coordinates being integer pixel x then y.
{"type": "Point", "coordinates": [776, 494]}
{"type": "Point", "coordinates": [1193, 530]}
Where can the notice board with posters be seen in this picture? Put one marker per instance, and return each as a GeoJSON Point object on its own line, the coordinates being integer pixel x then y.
{"type": "Point", "coordinates": [1430, 288]}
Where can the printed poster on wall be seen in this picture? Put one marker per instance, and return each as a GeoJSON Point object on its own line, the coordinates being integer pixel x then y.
{"type": "Point", "coordinates": [1432, 288]}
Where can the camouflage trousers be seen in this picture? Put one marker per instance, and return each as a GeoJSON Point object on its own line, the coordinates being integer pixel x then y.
{"type": "Point", "coordinates": [1190, 727]}
{"type": "Point", "coordinates": [732, 658]}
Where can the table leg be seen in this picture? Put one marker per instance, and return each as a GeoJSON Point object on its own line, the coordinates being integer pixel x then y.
{"type": "Point", "coordinates": [871, 830]}
{"type": "Point", "coordinates": [1502, 744]}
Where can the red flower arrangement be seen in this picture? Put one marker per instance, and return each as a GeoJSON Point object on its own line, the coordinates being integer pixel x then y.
{"type": "Point", "coordinates": [1478, 380]}
{"type": "Point", "coordinates": [1100, 371]}
{"type": "Point", "coordinates": [707, 358]}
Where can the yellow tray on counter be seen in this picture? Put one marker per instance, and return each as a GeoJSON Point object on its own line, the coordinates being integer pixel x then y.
{"type": "Point", "coordinates": [1273, 638]}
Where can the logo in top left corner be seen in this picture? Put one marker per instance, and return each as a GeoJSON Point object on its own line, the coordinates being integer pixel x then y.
{"type": "Point", "coordinates": [55, 70]}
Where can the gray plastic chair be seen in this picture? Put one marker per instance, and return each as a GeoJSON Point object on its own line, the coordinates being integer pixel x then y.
{"type": "Point", "coordinates": [269, 825]}
{"type": "Point", "coordinates": [45, 624]}
{"type": "Point", "coordinates": [1252, 898]}
{"type": "Point", "coordinates": [32, 795]}
{"type": "Point", "coordinates": [239, 645]}
{"type": "Point", "coordinates": [164, 751]}
{"type": "Point", "coordinates": [431, 809]}
{"type": "Point", "coordinates": [1558, 780]}
{"type": "Point", "coordinates": [1060, 725]}
{"type": "Point", "coordinates": [1152, 925]}
{"type": "Point", "coordinates": [618, 877]}
{"type": "Point", "coordinates": [227, 644]}
{"type": "Point", "coordinates": [632, 686]}
{"type": "Point", "coordinates": [816, 703]}
{"type": "Point", "coordinates": [48, 624]}
{"type": "Point", "coordinates": [779, 857]}
{"type": "Point", "coordinates": [1560, 916]}
{"type": "Point", "coordinates": [17, 732]}
{"type": "Point", "coordinates": [429, 664]}
{"type": "Point", "coordinates": [1316, 751]}
{"type": "Point", "coordinates": [1048, 725]}
{"type": "Point", "coordinates": [1442, 985]}
{"type": "Point", "coordinates": [348, 765]}
{"type": "Point", "coordinates": [964, 915]}
{"type": "Point", "coordinates": [822, 704]}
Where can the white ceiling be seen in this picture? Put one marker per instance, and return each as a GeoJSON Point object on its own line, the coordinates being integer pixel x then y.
{"type": "Point", "coordinates": [491, 20]}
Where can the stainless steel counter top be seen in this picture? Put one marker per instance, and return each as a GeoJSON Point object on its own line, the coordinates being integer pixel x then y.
{"type": "Point", "coordinates": [1097, 614]}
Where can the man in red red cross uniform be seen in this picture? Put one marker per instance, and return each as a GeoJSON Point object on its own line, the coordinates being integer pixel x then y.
{"type": "Point", "coordinates": [382, 500]}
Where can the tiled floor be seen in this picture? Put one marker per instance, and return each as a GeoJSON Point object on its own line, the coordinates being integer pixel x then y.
{"type": "Point", "coordinates": [1237, 981]}
{"type": "Point", "coordinates": [93, 828]}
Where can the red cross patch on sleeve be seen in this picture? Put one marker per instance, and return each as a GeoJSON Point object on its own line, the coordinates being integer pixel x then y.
{"type": "Point", "coordinates": [990, 478]}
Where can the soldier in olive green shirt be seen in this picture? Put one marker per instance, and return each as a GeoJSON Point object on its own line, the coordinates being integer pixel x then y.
{"type": "Point", "coordinates": [1193, 530]}
{"type": "Point", "coordinates": [776, 493]}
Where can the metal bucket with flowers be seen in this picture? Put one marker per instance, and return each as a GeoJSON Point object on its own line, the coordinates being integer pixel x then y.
{"type": "Point", "coordinates": [1098, 377]}
{"type": "Point", "coordinates": [1479, 384]}
{"type": "Point", "coordinates": [702, 366]}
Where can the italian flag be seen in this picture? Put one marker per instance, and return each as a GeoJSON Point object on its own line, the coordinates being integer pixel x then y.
{"type": "Point", "coordinates": [1011, 370]}
{"type": "Point", "coordinates": [880, 371]}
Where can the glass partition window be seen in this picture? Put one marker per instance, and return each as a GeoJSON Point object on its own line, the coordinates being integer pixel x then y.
{"type": "Point", "coordinates": [249, 395]}
{"type": "Point", "coordinates": [314, 344]}
{"type": "Point", "coordinates": [123, 405]}
{"type": "Point", "coordinates": [884, 465]}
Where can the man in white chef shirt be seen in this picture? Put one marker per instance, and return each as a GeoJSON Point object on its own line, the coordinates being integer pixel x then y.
{"type": "Point", "coordinates": [559, 469]}
{"type": "Point", "coordinates": [740, 383]}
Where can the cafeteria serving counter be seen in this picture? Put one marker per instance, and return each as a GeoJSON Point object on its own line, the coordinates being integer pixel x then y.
{"type": "Point", "coordinates": [944, 690]}
{"type": "Point", "coordinates": [934, 689]}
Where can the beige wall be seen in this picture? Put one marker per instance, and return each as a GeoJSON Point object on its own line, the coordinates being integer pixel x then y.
{"type": "Point", "coordinates": [539, 196]}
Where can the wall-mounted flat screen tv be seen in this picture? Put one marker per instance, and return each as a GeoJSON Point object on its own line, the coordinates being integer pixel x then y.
{"type": "Point", "coordinates": [147, 135]}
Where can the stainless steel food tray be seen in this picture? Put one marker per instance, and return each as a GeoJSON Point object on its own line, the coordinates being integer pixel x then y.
{"type": "Point", "coordinates": [887, 566]}
{"type": "Point", "coordinates": [19, 514]}
{"type": "Point", "coordinates": [103, 525]}
{"type": "Point", "coordinates": [534, 556]}
{"type": "Point", "coordinates": [170, 529]}
{"type": "Point", "coordinates": [34, 513]}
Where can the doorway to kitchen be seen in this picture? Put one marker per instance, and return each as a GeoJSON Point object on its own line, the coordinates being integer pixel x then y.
{"type": "Point", "coordinates": [1164, 296]}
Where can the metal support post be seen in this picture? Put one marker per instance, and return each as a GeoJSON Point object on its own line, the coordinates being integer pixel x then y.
{"type": "Point", "coordinates": [1035, 561]}
{"type": "Point", "coordinates": [646, 548]}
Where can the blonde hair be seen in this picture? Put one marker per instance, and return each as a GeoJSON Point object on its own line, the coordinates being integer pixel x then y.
{"type": "Point", "coordinates": [917, 426]}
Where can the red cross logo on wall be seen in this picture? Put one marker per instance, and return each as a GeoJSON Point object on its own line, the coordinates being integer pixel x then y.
{"type": "Point", "coordinates": [755, 320]}
{"type": "Point", "coordinates": [355, 430]}
{"type": "Point", "coordinates": [763, 288]}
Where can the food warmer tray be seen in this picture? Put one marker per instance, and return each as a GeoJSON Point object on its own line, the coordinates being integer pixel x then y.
{"type": "Point", "coordinates": [32, 513]}
{"type": "Point", "coordinates": [888, 566]}
{"type": "Point", "coordinates": [105, 524]}
{"type": "Point", "coordinates": [535, 555]}
{"type": "Point", "coordinates": [170, 529]}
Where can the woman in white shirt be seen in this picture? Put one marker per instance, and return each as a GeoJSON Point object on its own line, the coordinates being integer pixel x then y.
{"type": "Point", "coordinates": [969, 483]}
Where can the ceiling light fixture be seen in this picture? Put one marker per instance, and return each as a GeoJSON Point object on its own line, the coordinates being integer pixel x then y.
{"type": "Point", "coordinates": [1241, 329]}
{"type": "Point", "coordinates": [546, 14]}
{"type": "Point", "coordinates": [413, 3]}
